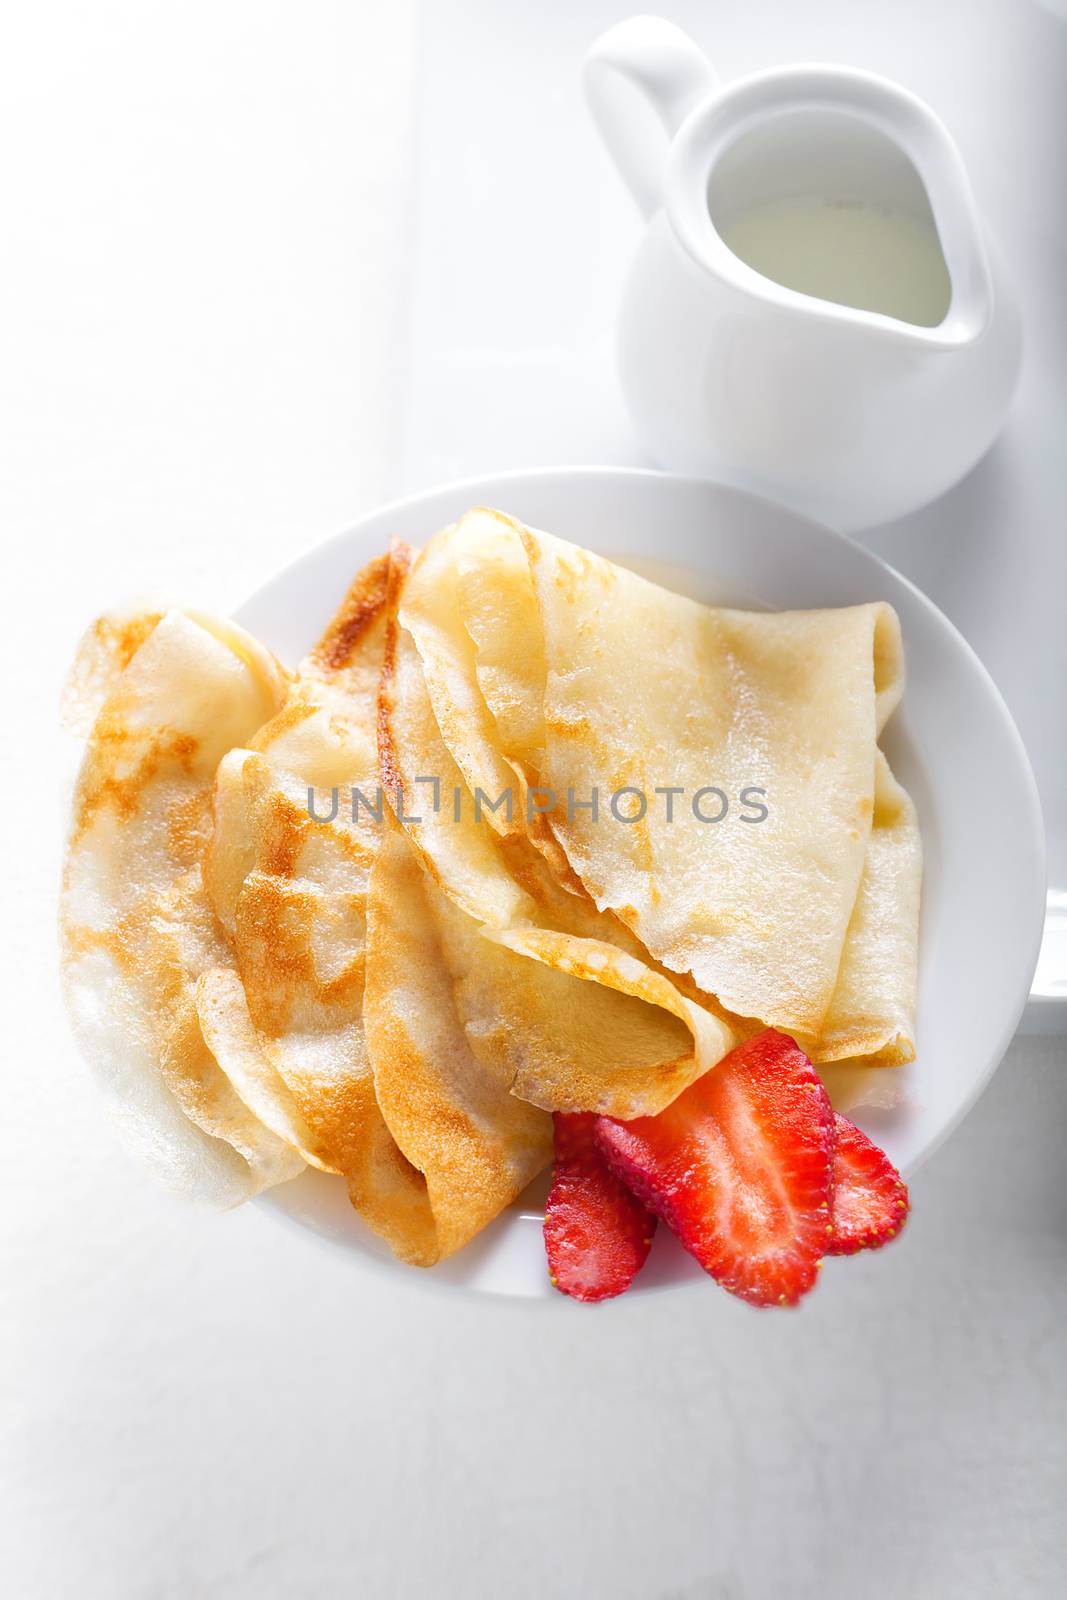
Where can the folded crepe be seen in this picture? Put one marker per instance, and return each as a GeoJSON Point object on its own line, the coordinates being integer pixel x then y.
{"type": "Point", "coordinates": [464, 1145]}
{"type": "Point", "coordinates": [581, 678]}
{"type": "Point", "coordinates": [564, 992]}
{"type": "Point", "coordinates": [171, 694]}
{"type": "Point", "coordinates": [289, 883]}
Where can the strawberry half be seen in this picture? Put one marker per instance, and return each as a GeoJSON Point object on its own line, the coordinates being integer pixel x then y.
{"type": "Point", "coordinates": [739, 1167]}
{"type": "Point", "coordinates": [870, 1203]}
{"type": "Point", "coordinates": [597, 1235]}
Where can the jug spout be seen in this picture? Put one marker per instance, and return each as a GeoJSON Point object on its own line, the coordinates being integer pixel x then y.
{"type": "Point", "coordinates": [834, 194]}
{"type": "Point", "coordinates": [671, 74]}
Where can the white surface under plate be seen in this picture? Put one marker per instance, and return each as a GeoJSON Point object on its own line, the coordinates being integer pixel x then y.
{"type": "Point", "coordinates": [952, 743]}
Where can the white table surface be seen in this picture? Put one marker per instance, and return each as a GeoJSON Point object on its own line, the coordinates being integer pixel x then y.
{"type": "Point", "coordinates": [265, 266]}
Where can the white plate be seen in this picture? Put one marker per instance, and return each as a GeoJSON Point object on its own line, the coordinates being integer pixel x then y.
{"type": "Point", "coordinates": [952, 743]}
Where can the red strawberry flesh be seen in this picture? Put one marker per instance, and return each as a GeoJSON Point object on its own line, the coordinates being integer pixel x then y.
{"type": "Point", "coordinates": [739, 1167]}
{"type": "Point", "coordinates": [870, 1198]}
{"type": "Point", "coordinates": [597, 1234]}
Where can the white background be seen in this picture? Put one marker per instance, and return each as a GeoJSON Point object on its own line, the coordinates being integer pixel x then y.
{"type": "Point", "coordinates": [262, 267]}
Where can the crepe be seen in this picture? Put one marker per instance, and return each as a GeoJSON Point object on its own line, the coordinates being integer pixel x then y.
{"type": "Point", "coordinates": [561, 990]}
{"type": "Point", "coordinates": [471, 1146]}
{"type": "Point", "coordinates": [284, 1011]}
{"type": "Point", "coordinates": [104, 652]}
{"type": "Point", "coordinates": [543, 659]}
{"type": "Point", "coordinates": [298, 939]}
{"type": "Point", "coordinates": [470, 608]}
{"type": "Point", "coordinates": [136, 927]}
{"type": "Point", "coordinates": [871, 1017]}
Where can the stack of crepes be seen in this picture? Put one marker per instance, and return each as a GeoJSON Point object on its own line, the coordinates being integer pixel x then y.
{"type": "Point", "coordinates": [403, 993]}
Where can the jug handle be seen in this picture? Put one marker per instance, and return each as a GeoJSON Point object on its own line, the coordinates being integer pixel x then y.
{"type": "Point", "coordinates": [673, 75]}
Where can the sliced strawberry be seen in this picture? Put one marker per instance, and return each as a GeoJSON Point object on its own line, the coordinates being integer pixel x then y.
{"type": "Point", "coordinates": [597, 1235]}
{"type": "Point", "coordinates": [870, 1200]}
{"type": "Point", "coordinates": [739, 1167]}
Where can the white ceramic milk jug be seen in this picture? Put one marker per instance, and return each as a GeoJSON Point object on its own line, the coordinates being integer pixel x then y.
{"type": "Point", "coordinates": [815, 312]}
